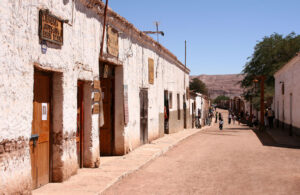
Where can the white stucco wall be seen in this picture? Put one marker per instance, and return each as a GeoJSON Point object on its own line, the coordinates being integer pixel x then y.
{"type": "Point", "coordinates": [20, 49]}
{"type": "Point", "coordinates": [167, 76]}
{"type": "Point", "coordinates": [289, 75]}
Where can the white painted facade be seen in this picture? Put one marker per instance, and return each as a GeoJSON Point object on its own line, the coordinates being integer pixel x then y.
{"type": "Point", "coordinates": [287, 103]}
{"type": "Point", "coordinates": [77, 59]}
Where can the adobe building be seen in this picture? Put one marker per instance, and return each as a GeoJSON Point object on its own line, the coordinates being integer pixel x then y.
{"type": "Point", "coordinates": [287, 96]}
{"type": "Point", "coordinates": [49, 59]}
{"type": "Point", "coordinates": [54, 86]}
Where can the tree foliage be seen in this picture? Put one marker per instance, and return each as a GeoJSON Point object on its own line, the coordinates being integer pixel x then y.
{"type": "Point", "coordinates": [220, 98]}
{"type": "Point", "coordinates": [269, 56]}
{"type": "Point", "coordinates": [198, 86]}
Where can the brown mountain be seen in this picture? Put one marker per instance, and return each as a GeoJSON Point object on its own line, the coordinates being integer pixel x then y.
{"type": "Point", "coordinates": [222, 84]}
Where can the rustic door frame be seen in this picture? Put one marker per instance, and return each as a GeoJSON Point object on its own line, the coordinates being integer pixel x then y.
{"type": "Point", "coordinates": [50, 136]}
{"type": "Point", "coordinates": [111, 78]}
{"type": "Point", "coordinates": [144, 107]}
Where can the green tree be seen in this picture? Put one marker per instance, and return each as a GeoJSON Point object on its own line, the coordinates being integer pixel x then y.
{"type": "Point", "coordinates": [198, 86]}
{"type": "Point", "coordinates": [269, 56]}
{"type": "Point", "coordinates": [220, 98]}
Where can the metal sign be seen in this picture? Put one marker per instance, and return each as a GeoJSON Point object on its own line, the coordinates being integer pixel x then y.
{"type": "Point", "coordinates": [50, 28]}
{"type": "Point", "coordinates": [112, 41]}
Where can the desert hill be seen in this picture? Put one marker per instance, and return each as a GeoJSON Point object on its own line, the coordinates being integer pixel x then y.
{"type": "Point", "coordinates": [222, 84]}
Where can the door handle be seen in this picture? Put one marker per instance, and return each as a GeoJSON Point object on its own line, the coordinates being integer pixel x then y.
{"type": "Point", "coordinates": [34, 138]}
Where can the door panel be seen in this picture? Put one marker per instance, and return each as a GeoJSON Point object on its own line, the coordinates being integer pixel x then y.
{"type": "Point", "coordinates": [106, 131]}
{"type": "Point", "coordinates": [39, 143]}
{"type": "Point", "coordinates": [80, 124]}
{"type": "Point", "coordinates": [144, 116]}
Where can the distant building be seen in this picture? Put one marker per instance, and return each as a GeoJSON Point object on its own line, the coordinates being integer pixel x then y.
{"type": "Point", "coordinates": [287, 96]}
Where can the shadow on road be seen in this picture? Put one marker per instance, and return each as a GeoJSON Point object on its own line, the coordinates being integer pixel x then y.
{"type": "Point", "coordinates": [267, 140]}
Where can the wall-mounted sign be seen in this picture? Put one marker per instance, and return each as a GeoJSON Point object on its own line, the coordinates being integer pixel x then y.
{"type": "Point", "coordinates": [96, 84]}
{"type": "Point", "coordinates": [96, 97]}
{"type": "Point", "coordinates": [44, 111]}
{"type": "Point", "coordinates": [96, 109]}
{"type": "Point", "coordinates": [112, 41]}
{"type": "Point", "coordinates": [50, 28]}
{"type": "Point", "coordinates": [151, 70]}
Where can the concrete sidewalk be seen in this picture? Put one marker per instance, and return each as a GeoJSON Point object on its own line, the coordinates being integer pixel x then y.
{"type": "Point", "coordinates": [282, 138]}
{"type": "Point", "coordinates": [112, 169]}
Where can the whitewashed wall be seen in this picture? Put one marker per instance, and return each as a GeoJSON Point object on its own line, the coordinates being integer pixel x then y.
{"type": "Point", "coordinates": [20, 49]}
{"type": "Point", "coordinates": [289, 74]}
{"type": "Point", "coordinates": [167, 76]}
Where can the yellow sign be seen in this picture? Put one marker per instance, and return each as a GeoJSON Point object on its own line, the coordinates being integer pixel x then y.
{"type": "Point", "coordinates": [96, 97]}
{"type": "Point", "coordinates": [96, 84]}
{"type": "Point", "coordinates": [151, 70]}
{"type": "Point", "coordinates": [112, 42]}
{"type": "Point", "coordinates": [50, 28]}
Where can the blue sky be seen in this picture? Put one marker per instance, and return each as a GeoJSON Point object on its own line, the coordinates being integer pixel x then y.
{"type": "Point", "coordinates": [220, 34]}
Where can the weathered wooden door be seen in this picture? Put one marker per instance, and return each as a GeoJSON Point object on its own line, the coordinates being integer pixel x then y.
{"type": "Point", "coordinates": [39, 142]}
{"type": "Point", "coordinates": [166, 112]}
{"type": "Point", "coordinates": [144, 116]}
{"type": "Point", "coordinates": [80, 124]}
{"type": "Point", "coordinates": [184, 111]}
{"type": "Point", "coordinates": [107, 130]}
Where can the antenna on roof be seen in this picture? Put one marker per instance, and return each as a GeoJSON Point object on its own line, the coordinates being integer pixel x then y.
{"type": "Point", "coordinates": [157, 32]}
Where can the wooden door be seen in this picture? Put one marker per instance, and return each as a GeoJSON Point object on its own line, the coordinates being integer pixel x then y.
{"type": "Point", "coordinates": [39, 142]}
{"type": "Point", "coordinates": [106, 131]}
{"type": "Point", "coordinates": [80, 124]}
{"type": "Point", "coordinates": [144, 116]}
{"type": "Point", "coordinates": [166, 112]}
{"type": "Point", "coordinates": [184, 111]}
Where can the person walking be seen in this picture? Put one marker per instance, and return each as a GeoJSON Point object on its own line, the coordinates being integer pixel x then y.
{"type": "Point", "coordinates": [233, 119]}
{"type": "Point", "coordinates": [216, 117]}
{"type": "Point", "coordinates": [221, 124]}
{"type": "Point", "coordinates": [229, 118]}
{"type": "Point", "coordinates": [270, 118]}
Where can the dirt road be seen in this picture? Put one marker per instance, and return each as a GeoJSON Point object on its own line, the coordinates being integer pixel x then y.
{"type": "Point", "coordinates": [232, 161]}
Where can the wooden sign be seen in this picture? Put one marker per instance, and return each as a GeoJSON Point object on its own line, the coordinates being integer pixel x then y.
{"type": "Point", "coordinates": [96, 97]}
{"type": "Point", "coordinates": [96, 109]}
{"type": "Point", "coordinates": [50, 28]}
{"type": "Point", "coordinates": [112, 41]}
{"type": "Point", "coordinates": [96, 84]}
{"type": "Point", "coordinates": [151, 70]}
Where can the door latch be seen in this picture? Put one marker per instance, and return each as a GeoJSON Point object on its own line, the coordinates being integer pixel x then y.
{"type": "Point", "coordinates": [34, 138]}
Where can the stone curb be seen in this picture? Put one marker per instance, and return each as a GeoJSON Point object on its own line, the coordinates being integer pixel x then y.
{"type": "Point", "coordinates": [154, 156]}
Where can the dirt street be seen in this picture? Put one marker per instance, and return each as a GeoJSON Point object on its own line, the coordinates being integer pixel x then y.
{"type": "Point", "coordinates": [232, 161]}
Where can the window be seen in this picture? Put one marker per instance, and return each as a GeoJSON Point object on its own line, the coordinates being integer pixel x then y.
{"type": "Point", "coordinates": [178, 106]}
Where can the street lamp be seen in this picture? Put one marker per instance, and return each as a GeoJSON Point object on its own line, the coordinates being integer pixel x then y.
{"type": "Point", "coordinates": [262, 102]}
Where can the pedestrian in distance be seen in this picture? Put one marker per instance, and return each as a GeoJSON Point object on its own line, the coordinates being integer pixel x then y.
{"type": "Point", "coordinates": [216, 117]}
{"type": "Point", "coordinates": [220, 116]}
{"type": "Point", "coordinates": [270, 118]}
{"type": "Point", "coordinates": [229, 118]}
{"type": "Point", "coordinates": [221, 124]}
{"type": "Point", "coordinates": [233, 119]}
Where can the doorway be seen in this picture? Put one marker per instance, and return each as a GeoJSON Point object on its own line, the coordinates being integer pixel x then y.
{"type": "Point", "coordinates": [41, 127]}
{"type": "Point", "coordinates": [291, 114]}
{"type": "Point", "coordinates": [166, 112]}
{"type": "Point", "coordinates": [144, 116]}
{"type": "Point", "coordinates": [107, 130]}
{"type": "Point", "coordinates": [80, 123]}
{"type": "Point", "coordinates": [184, 111]}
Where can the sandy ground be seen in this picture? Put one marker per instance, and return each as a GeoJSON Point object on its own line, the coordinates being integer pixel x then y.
{"type": "Point", "coordinates": [232, 161]}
